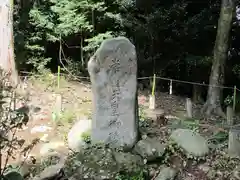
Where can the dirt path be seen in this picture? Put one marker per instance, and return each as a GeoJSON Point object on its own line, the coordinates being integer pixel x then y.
{"type": "Point", "coordinates": [41, 129]}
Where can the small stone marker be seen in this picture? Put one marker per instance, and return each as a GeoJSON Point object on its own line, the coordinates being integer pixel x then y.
{"type": "Point", "coordinates": [234, 143]}
{"type": "Point", "coordinates": [113, 74]}
{"type": "Point", "coordinates": [152, 103]}
{"type": "Point", "coordinates": [58, 104]}
{"type": "Point", "coordinates": [189, 107]}
{"type": "Point", "coordinates": [230, 115]}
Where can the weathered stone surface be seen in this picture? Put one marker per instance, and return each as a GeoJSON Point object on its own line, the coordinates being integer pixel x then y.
{"type": "Point", "coordinates": [91, 163]}
{"type": "Point", "coordinates": [128, 162]}
{"type": "Point", "coordinates": [99, 162]}
{"type": "Point", "coordinates": [51, 147]}
{"type": "Point", "coordinates": [193, 143]}
{"type": "Point", "coordinates": [54, 158]}
{"type": "Point", "coordinates": [204, 167]}
{"type": "Point", "coordinates": [75, 135]}
{"type": "Point", "coordinates": [149, 149]}
{"type": "Point", "coordinates": [113, 73]}
{"type": "Point", "coordinates": [166, 173]}
{"type": "Point", "coordinates": [236, 173]}
{"type": "Point", "coordinates": [50, 172]}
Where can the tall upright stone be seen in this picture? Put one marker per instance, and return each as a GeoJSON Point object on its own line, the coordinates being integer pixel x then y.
{"type": "Point", "coordinates": [113, 73]}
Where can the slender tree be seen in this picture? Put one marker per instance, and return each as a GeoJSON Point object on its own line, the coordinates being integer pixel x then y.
{"type": "Point", "coordinates": [7, 61]}
{"type": "Point", "coordinates": [213, 103]}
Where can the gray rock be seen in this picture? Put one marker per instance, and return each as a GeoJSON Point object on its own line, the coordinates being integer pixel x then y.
{"type": "Point", "coordinates": [113, 74]}
{"type": "Point", "coordinates": [50, 172]}
{"type": "Point", "coordinates": [149, 149]}
{"type": "Point", "coordinates": [166, 173]}
{"type": "Point", "coordinates": [91, 163]}
{"type": "Point", "coordinates": [75, 135]}
{"type": "Point", "coordinates": [99, 162]}
{"type": "Point", "coordinates": [236, 173]}
{"type": "Point", "coordinates": [128, 162]}
{"type": "Point", "coordinates": [54, 158]}
{"type": "Point", "coordinates": [204, 167]}
{"type": "Point", "coordinates": [193, 143]}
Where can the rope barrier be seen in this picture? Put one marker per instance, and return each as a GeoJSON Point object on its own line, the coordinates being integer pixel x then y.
{"type": "Point", "coordinates": [140, 78]}
{"type": "Point", "coordinates": [149, 77]}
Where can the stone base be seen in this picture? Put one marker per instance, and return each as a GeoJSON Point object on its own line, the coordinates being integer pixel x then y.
{"type": "Point", "coordinates": [156, 115]}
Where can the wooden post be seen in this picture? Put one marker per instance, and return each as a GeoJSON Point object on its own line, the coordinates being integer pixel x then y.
{"type": "Point", "coordinates": [189, 107]}
{"type": "Point", "coordinates": [230, 115]}
{"type": "Point", "coordinates": [152, 97]}
{"type": "Point", "coordinates": [170, 88]}
{"type": "Point", "coordinates": [234, 98]}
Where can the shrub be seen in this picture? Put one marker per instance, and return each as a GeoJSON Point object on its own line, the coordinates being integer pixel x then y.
{"type": "Point", "coordinates": [11, 119]}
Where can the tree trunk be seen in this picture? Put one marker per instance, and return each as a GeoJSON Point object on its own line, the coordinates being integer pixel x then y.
{"type": "Point", "coordinates": [213, 103]}
{"type": "Point", "coordinates": [197, 94]}
{"type": "Point", "coordinates": [7, 62]}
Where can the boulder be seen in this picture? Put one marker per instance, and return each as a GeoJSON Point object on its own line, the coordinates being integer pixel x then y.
{"type": "Point", "coordinates": [91, 163]}
{"type": "Point", "coordinates": [150, 149]}
{"type": "Point", "coordinates": [75, 136]}
{"type": "Point", "coordinates": [191, 142]}
{"type": "Point", "coordinates": [166, 173]}
{"type": "Point", "coordinates": [50, 173]}
{"type": "Point", "coordinates": [100, 162]}
{"type": "Point", "coordinates": [128, 162]}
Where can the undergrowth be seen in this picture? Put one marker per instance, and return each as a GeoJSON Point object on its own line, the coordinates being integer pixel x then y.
{"type": "Point", "coordinates": [47, 80]}
{"type": "Point", "coordinates": [137, 176]}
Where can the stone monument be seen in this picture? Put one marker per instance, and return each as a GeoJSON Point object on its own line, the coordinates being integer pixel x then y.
{"type": "Point", "coordinates": [113, 74]}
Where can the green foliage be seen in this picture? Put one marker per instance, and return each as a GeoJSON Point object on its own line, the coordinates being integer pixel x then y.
{"type": "Point", "coordinates": [66, 117]}
{"type": "Point", "coordinates": [228, 101]}
{"type": "Point", "coordinates": [44, 77]}
{"type": "Point", "coordinates": [136, 176]}
{"type": "Point", "coordinates": [13, 175]}
{"type": "Point", "coordinates": [198, 60]}
{"type": "Point", "coordinates": [86, 137]}
{"type": "Point", "coordinates": [142, 115]}
{"type": "Point", "coordinates": [50, 21]}
{"type": "Point", "coordinates": [191, 123]}
{"type": "Point", "coordinates": [170, 37]}
{"type": "Point", "coordinates": [11, 119]}
{"type": "Point", "coordinates": [236, 70]}
{"type": "Point", "coordinates": [94, 42]}
{"type": "Point", "coordinates": [188, 123]}
{"type": "Point", "coordinates": [219, 137]}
